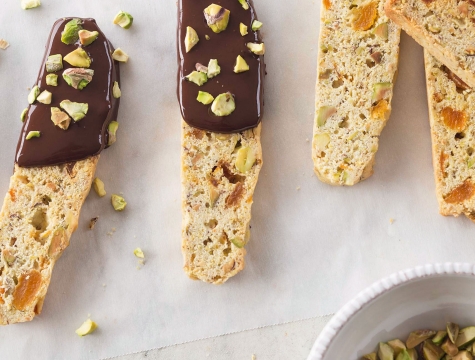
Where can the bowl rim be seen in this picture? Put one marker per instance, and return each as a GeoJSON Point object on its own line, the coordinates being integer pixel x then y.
{"type": "Point", "coordinates": [351, 308]}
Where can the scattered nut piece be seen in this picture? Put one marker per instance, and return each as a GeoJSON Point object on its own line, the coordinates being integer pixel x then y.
{"type": "Point", "coordinates": [197, 78]}
{"type": "Point", "coordinates": [258, 49]}
{"type": "Point", "coordinates": [320, 141]}
{"type": "Point", "coordinates": [33, 134]}
{"type": "Point", "coordinates": [207, 37]}
{"type": "Point", "coordinates": [45, 97]}
{"type": "Point", "coordinates": [256, 25]}
{"type": "Point", "coordinates": [30, 4]}
{"type": "Point", "coordinates": [244, 4]}
{"type": "Point", "coordinates": [245, 159]}
{"type": "Point", "coordinates": [139, 253]}
{"type": "Point", "coordinates": [124, 20]}
{"type": "Point", "coordinates": [382, 31]}
{"type": "Point", "coordinates": [78, 78]}
{"type": "Point", "coordinates": [239, 243]}
{"type": "Point", "coordinates": [76, 110]}
{"type": "Point", "coordinates": [23, 115]}
{"type": "Point", "coordinates": [433, 29]}
{"type": "Point", "coordinates": [205, 98]}
{"type": "Point", "coordinates": [78, 58]}
{"type": "Point", "coordinates": [470, 51]}
{"type": "Point", "coordinates": [86, 328]}
{"type": "Point", "coordinates": [381, 91]}
{"type": "Point", "coordinates": [99, 188]}
{"type": "Point", "coordinates": [60, 118]}
{"type": "Point", "coordinates": [4, 44]}
{"type": "Point", "coordinates": [223, 104]}
{"type": "Point", "coordinates": [241, 65]}
{"type": "Point", "coordinates": [35, 91]}
{"type": "Point", "coordinates": [191, 38]}
{"type": "Point", "coordinates": [71, 32]}
{"type": "Point", "coordinates": [52, 80]}
{"type": "Point", "coordinates": [213, 68]}
{"type": "Point", "coordinates": [120, 55]}
{"type": "Point", "coordinates": [87, 37]}
{"type": "Point", "coordinates": [54, 63]}
{"type": "Point", "coordinates": [112, 131]}
{"type": "Point", "coordinates": [324, 113]}
{"type": "Point", "coordinates": [201, 68]}
{"type": "Point", "coordinates": [93, 222]}
{"type": "Point", "coordinates": [118, 202]}
{"type": "Point", "coordinates": [116, 90]}
{"type": "Point", "coordinates": [217, 17]}
{"type": "Point", "coordinates": [243, 29]}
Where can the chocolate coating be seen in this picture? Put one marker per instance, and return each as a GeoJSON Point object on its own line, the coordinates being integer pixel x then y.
{"type": "Point", "coordinates": [87, 137]}
{"type": "Point", "coordinates": [247, 87]}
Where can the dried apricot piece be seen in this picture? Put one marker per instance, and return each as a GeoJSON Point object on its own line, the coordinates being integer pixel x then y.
{"type": "Point", "coordinates": [442, 159]}
{"type": "Point", "coordinates": [2, 291]}
{"type": "Point", "coordinates": [461, 193]}
{"type": "Point", "coordinates": [364, 16]}
{"type": "Point", "coordinates": [454, 119]}
{"type": "Point", "coordinates": [380, 111]}
{"type": "Point", "coordinates": [26, 290]}
{"type": "Point", "coordinates": [327, 4]}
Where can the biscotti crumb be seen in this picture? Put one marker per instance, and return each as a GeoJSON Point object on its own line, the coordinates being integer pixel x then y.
{"type": "Point", "coordinates": [391, 221]}
{"type": "Point", "coordinates": [4, 44]}
{"type": "Point", "coordinates": [93, 222]}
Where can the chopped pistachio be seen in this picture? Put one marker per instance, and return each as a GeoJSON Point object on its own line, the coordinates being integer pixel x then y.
{"type": "Point", "coordinates": [197, 78]}
{"type": "Point", "coordinates": [470, 162]}
{"type": "Point", "coordinates": [258, 49]}
{"type": "Point", "coordinates": [245, 159]}
{"type": "Point", "coordinates": [45, 97]}
{"type": "Point", "coordinates": [54, 63]}
{"type": "Point", "coordinates": [205, 98]}
{"type": "Point", "coordinates": [78, 78]}
{"type": "Point", "coordinates": [201, 68]}
{"type": "Point", "coordinates": [120, 55]}
{"type": "Point", "coordinates": [78, 58]}
{"type": "Point", "coordinates": [241, 65]}
{"type": "Point", "coordinates": [116, 90]}
{"type": "Point", "coordinates": [465, 336]}
{"type": "Point", "coordinates": [71, 32]}
{"type": "Point", "coordinates": [320, 141]}
{"type": "Point", "coordinates": [381, 31]}
{"type": "Point", "coordinates": [60, 118]}
{"type": "Point", "coordinates": [244, 4]}
{"type": "Point", "coordinates": [207, 37]}
{"type": "Point", "coordinates": [217, 17]}
{"type": "Point", "coordinates": [124, 20]}
{"type": "Point", "coordinates": [453, 331]}
{"type": "Point", "coordinates": [256, 25]}
{"type": "Point", "coordinates": [99, 188]}
{"type": "Point", "coordinates": [324, 113]}
{"type": "Point", "coordinates": [33, 134]}
{"type": "Point", "coordinates": [381, 91]}
{"type": "Point", "coordinates": [139, 253]}
{"type": "Point", "coordinates": [243, 29]}
{"type": "Point", "coordinates": [118, 202]}
{"type": "Point", "coordinates": [191, 38]}
{"type": "Point", "coordinates": [23, 115]}
{"type": "Point", "coordinates": [76, 110]}
{"type": "Point", "coordinates": [112, 130]}
{"type": "Point", "coordinates": [86, 328]}
{"type": "Point", "coordinates": [213, 68]}
{"type": "Point", "coordinates": [30, 4]}
{"type": "Point", "coordinates": [385, 351]}
{"type": "Point", "coordinates": [87, 37]}
{"type": "Point", "coordinates": [239, 243]}
{"type": "Point", "coordinates": [417, 337]}
{"type": "Point", "coordinates": [223, 104]}
{"type": "Point", "coordinates": [372, 356]}
{"type": "Point", "coordinates": [33, 94]}
{"type": "Point", "coordinates": [52, 80]}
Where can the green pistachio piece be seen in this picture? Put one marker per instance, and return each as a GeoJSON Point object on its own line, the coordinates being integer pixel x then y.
{"type": "Point", "coordinates": [87, 37]}
{"type": "Point", "coordinates": [76, 110]}
{"type": "Point", "coordinates": [239, 243]}
{"type": "Point", "coordinates": [223, 104]}
{"type": "Point", "coordinates": [52, 80]}
{"type": "Point", "coordinates": [33, 134]}
{"type": "Point", "coordinates": [78, 78]}
{"type": "Point", "coordinates": [465, 337]}
{"type": "Point", "coordinates": [372, 356]}
{"type": "Point", "coordinates": [124, 20]}
{"type": "Point", "coordinates": [45, 97]}
{"type": "Point", "coordinates": [78, 58]}
{"type": "Point", "coordinates": [205, 98]}
{"type": "Point", "coordinates": [453, 331]}
{"type": "Point", "coordinates": [385, 352]}
{"type": "Point", "coordinates": [217, 17]}
{"type": "Point", "coordinates": [99, 188]}
{"type": "Point", "coordinates": [243, 29]}
{"type": "Point", "coordinates": [60, 118]}
{"type": "Point", "coordinates": [120, 55]}
{"type": "Point", "coordinates": [397, 346]}
{"type": "Point", "coordinates": [23, 115]}
{"type": "Point", "coordinates": [381, 31]}
{"type": "Point", "coordinates": [403, 355]}
{"type": "Point", "coordinates": [449, 348]}
{"type": "Point", "coordinates": [112, 130]}
{"type": "Point", "coordinates": [197, 78]}
{"type": "Point", "coordinates": [54, 63]}
{"type": "Point", "coordinates": [71, 32]}
{"type": "Point", "coordinates": [432, 351]}
{"type": "Point", "coordinates": [463, 355]}
{"type": "Point", "coordinates": [258, 49]}
{"type": "Point", "coordinates": [244, 4]}
{"type": "Point", "coordinates": [201, 68]}
{"type": "Point", "coordinates": [139, 253]}
{"type": "Point", "coordinates": [213, 68]}
{"type": "Point", "coordinates": [256, 25]}
{"type": "Point", "coordinates": [470, 162]}
{"type": "Point", "coordinates": [30, 4]}
{"type": "Point", "coordinates": [381, 91]}
{"type": "Point", "coordinates": [118, 202]}
{"type": "Point", "coordinates": [417, 337]}
{"type": "Point", "coordinates": [241, 65]}
{"type": "Point", "coordinates": [245, 159]}
{"type": "Point", "coordinates": [33, 94]}
{"type": "Point", "coordinates": [86, 328]}
{"type": "Point", "coordinates": [116, 90]}
{"type": "Point", "coordinates": [320, 141]}
{"type": "Point", "coordinates": [191, 38]}
{"type": "Point", "coordinates": [439, 337]}
{"type": "Point", "coordinates": [324, 113]}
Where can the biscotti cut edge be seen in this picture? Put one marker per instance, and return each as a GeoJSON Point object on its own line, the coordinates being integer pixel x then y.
{"type": "Point", "coordinates": [216, 201]}
{"type": "Point", "coordinates": [39, 214]}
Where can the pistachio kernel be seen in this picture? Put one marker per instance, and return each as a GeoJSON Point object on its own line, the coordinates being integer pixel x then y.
{"type": "Point", "coordinates": [244, 4]}
{"type": "Point", "coordinates": [52, 80]}
{"type": "Point", "coordinates": [87, 37]}
{"type": "Point", "coordinates": [86, 328]}
{"type": "Point", "coordinates": [60, 118]}
{"type": "Point", "coordinates": [33, 134]}
{"type": "Point", "coordinates": [78, 58]}
{"type": "Point", "coordinates": [23, 115]}
{"type": "Point", "coordinates": [217, 17]}
{"type": "Point", "coordinates": [201, 68]}
{"type": "Point", "coordinates": [76, 110]}
{"type": "Point", "coordinates": [197, 78]}
{"type": "Point", "coordinates": [256, 25]}
{"type": "Point", "coordinates": [116, 90]}
{"type": "Point", "coordinates": [191, 38]}
{"type": "Point", "coordinates": [139, 253]}
{"type": "Point", "coordinates": [78, 78]}
{"type": "Point", "coordinates": [35, 91]}
{"type": "Point", "coordinates": [258, 49]}
{"type": "Point", "coordinates": [118, 202]}
{"type": "Point", "coordinates": [71, 32]}
{"type": "Point", "coordinates": [30, 4]}
{"type": "Point", "coordinates": [124, 20]}
{"type": "Point", "coordinates": [324, 113]}
{"type": "Point", "coordinates": [120, 55]}
{"type": "Point", "coordinates": [207, 37]}
{"type": "Point", "coordinates": [112, 131]}
{"type": "Point", "coordinates": [243, 29]}
{"type": "Point", "coordinates": [245, 159]}
{"type": "Point", "coordinates": [205, 98]}
{"type": "Point", "coordinates": [223, 104]}
{"type": "Point", "coordinates": [99, 188]}
{"type": "Point", "coordinates": [241, 65]}
{"type": "Point", "coordinates": [381, 91]}
{"type": "Point", "coordinates": [54, 63]}
{"type": "Point", "coordinates": [213, 68]}
{"type": "Point", "coordinates": [239, 243]}
{"type": "Point", "coordinates": [45, 97]}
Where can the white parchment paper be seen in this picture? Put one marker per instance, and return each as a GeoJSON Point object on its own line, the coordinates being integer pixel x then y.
{"type": "Point", "coordinates": [312, 249]}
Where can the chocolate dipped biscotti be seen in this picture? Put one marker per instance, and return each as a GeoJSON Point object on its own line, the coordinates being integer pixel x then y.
{"type": "Point", "coordinates": [220, 91]}
{"type": "Point", "coordinates": [66, 126]}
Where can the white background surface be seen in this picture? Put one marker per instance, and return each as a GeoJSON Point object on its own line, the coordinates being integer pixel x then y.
{"type": "Point", "coordinates": [311, 250]}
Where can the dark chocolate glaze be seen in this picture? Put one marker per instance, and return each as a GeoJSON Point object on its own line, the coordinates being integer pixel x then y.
{"type": "Point", "coordinates": [247, 87]}
{"type": "Point", "coordinates": [88, 136]}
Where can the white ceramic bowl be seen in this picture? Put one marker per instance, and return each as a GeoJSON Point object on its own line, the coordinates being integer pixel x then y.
{"type": "Point", "coordinates": [424, 297]}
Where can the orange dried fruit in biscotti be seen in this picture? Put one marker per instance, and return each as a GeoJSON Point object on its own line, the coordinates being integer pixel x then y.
{"type": "Point", "coordinates": [380, 111]}
{"type": "Point", "coordinates": [327, 4]}
{"type": "Point", "coordinates": [442, 159]}
{"type": "Point", "coordinates": [364, 16]}
{"type": "Point", "coordinates": [454, 119]}
{"type": "Point", "coordinates": [461, 193]}
{"type": "Point", "coordinates": [26, 290]}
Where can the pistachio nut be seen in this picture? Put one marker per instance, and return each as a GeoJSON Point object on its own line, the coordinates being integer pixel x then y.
{"type": "Point", "coordinates": [205, 98]}
{"type": "Point", "coordinates": [382, 31]}
{"type": "Point", "coordinates": [201, 68]}
{"type": "Point", "coordinates": [87, 37]}
{"type": "Point", "coordinates": [244, 4]}
{"type": "Point", "coordinates": [86, 328]}
{"type": "Point", "coordinates": [417, 337]}
{"type": "Point", "coordinates": [465, 337]}
{"type": "Point", "coordinates": [124, 20]}
{"type": "Point", "coordinates": [191, 38]}
{"type": "Point", "coordinates": [52, 80]}
{"type": "Point", "coordinates": [243, 29]}
{"type": "Point", "coordinates": [112, 131]}
{"type": "Point", "coordinates": [213, 68]}
{"type": "Point", "coordinates": [23, 115]}
{"type": "Point", "coordinates": [139, 253]}
{"type": "Point", "coordinates": [54, 63]}
{"type": "Point", "coordinates": [223, 104]}
{"type": "Point", "coordinates": [245, 159]}
{"type": "Point", "coordinates": [372, 356]}
{"type": "Point", "coordinates": [320, 141]}
{"type": "Point", "coordinates": [30, 4]}
{"type": "Point", "coordinates": [116, 90]}
{"type": "Point", "coordinates": [76, 110]}
{"type": "Point", "coordinates": [78, 58]}
{"type": "Point", "coordinates": [33, 134]}
{"type": "Point", "coordinates": [239, 243]}
{"type": "Point", "coordinates": [120, 55]}
{"type": "Point", "coordinates": [35, 91]}
{"type": "Point", "coordinates": [385, 352]}
{"type": "Point", "coordinates": [78, 78]}
{"type": "Point", "coordinates": [440, 336]}
{"type": "Point", "coordinates": [381, 91]}
{"type": "Point", "coordinates": [60, 118]}
{"type": "Point", "coordinates": [453, 331]}
{"type": "Point", "coordinates": [197, 78]}
{"type": "Point", "coordinates": [241, 65]}
{"type": "Point", "coordinates": [324, 113]}
{"type": "Point", "coordinates": [256, 25]}
{"type": "Point", "coordinates": [217, 17]}
{"type": "Point", "coordinates": [118, 202]}
{"type": "Point", "coordinates": [45, 97]}
{"type": "Point", "coordinates": [258, 49]}
{"type": "Point", "coordinates": [70, 33]}
{"type": "Point", "coordinates": [99, 187]}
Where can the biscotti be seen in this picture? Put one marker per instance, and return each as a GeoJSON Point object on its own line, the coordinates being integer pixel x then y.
{"type": "Point", "coordinates": [444, 28]}
{"type": "Point", "coordinates": [39, 214]}
{"type": "Point", "coordinates": [217, 199]}
{"type": "Point", "coordinates": [452, 111]}
{"type": "Point", "coordinates": [357, 64]}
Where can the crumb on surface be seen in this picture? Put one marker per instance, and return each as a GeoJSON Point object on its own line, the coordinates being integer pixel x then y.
{"type": "Point", "coordinates": [93, 222]}
{"type": "Point", "coordinates": [298, 188]}
{"type": "Point", "coordinates": [391, 220]}
{"type": "Point", "coordinates": [4, 44]}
